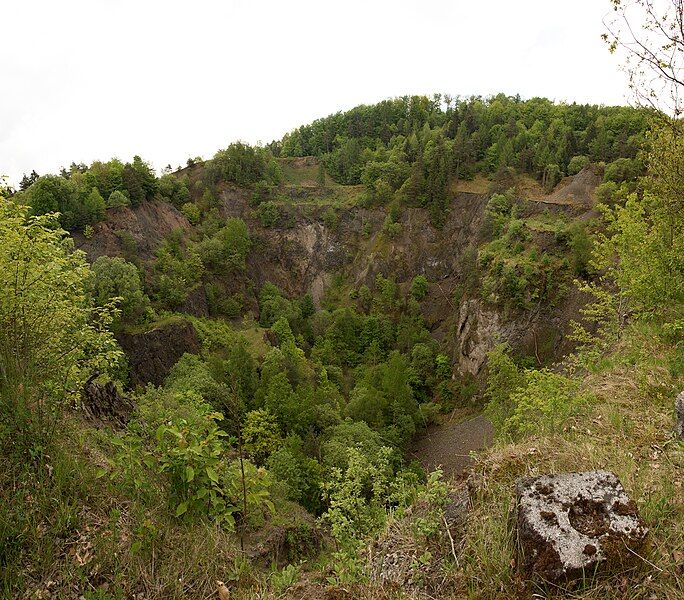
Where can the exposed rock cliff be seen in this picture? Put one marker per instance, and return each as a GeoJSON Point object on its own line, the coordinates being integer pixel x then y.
{"type": "Point", "coordinates": [303, 254]}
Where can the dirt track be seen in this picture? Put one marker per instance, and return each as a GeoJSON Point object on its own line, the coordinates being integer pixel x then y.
{"type": "Point", "coordinates": [449, 445]}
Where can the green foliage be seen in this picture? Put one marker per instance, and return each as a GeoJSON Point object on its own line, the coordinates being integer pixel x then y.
{"type": "Point", "coordinates": [543, 404]}
{"type": "Point", "coordinates": [357, 495]}
{"type": "Point", "coordinates": [268, 213]}
{"type": "Point", "coordinates": [191, 456]}
{"type": "Point", "coordinates": [301, 474]}
{"type": "Point", "coordinates": [577, 163]}
{"type": "Point", "coordinates": [330, 218]}
{"type": "Point", "coordinates": [191, 212]}
{"type": "Point", "coordinates": [349, 434]}
{"type": "Point", "coordinates": [51, 338]}
{"type": "Point", "coordinates": [78, 195]}
{"type": "Point", "coordinates": [623, 169]}
{"type": "Point", "coordinates": [516, 273]}
{"type": "Point", "coordinates": [419, 287]}
{"type": "Point", "coordinates": [93, 207]}
{"type": "Point", "coordinates": [115, 278]}
{"type": "Point", "coordinates": [522, 402]}
{"type": "Point", "coordinates": [286, 578]}
{"type": "Point", "coordinates": [261, 434]}
{"type": "Point", "coordinates": [117, 198]}
{"type": "Point", "coordinates": [257, 483]}
{"type": "Point", "coordinates": [244, 165]}
{"type": "Point", "coordinates": [504, 377]}
{"type": "Point", "coordinates": [77, 205]}
{"type": "Point", "coordinates": [192, 374]}
{"type": "Point", "coordinates": [410, 148]}
{"type": "Point", "coordinates": [580, 244]}
{"type": "Point", "coordinates": [177, 273]}
{"type": "Point", "coordinates": [227, 249]}
{"type": "Point", "coordinates": [174, 190]}
{"type": "Point", "coordinates": [273, 306]}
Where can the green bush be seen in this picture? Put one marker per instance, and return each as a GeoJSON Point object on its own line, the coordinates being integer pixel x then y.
{"type": "Point", "coordinates": [261, 434]}
{"type": "Point", "coordinates": [419, 287]}
{"type": "Point", "coordinates": [118, 198]}
{"type": "Point", "coordinates": [330, 218]}
{"type": "Point", "coordinates": [522, 402]}
{"type": "Point", "coordinates": [191, 212]}
{"type": "Point", "coordinates": [577, 163]}
{"type": "Point", "coordinates": [117, 278]}
{"type": "Point", "coordinates": [268, 213]}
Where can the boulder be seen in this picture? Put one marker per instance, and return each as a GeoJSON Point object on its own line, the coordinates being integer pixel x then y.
{"type": "Point", "coordinates": [103, 404]}
{"type": "Point", "coordinates": [679, 416]}
{"type": "Point", "coordinates": [151, 354]}
{"type": "Point", "coordinates": [575, 524]}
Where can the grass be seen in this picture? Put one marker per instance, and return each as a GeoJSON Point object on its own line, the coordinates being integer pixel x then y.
{"type": "Point", "coordinates": [162, 322]}
{"type": "Point", "coordinates": [67, 533]}
{"type": "Point", "coordinates": [547, 222]}
{"type": "Point", "coordinates": [302, 177]}
{"type": "Point", "coordinates": [627, 430]}
{"type": "Point", "coordinates": [478, 185]}
{"type": "Point", "coordinates": [295, 172]}
{"type": "Point", "coordinates": [254, 334]}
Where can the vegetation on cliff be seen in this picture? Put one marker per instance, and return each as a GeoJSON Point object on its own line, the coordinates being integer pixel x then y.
{"type": "Point", "coordinates": [275, 458]}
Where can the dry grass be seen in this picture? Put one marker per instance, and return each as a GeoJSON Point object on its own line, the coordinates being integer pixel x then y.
{"type": "Point", "coordinates": [478, 185]}
{"type": "Point", "coordinates": [529, 188]}
{"type": "Point", "coordinates": [628, 431]}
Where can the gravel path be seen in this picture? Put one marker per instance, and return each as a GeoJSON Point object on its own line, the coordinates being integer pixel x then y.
{"type": "Point", "coordinates": [449, 445]}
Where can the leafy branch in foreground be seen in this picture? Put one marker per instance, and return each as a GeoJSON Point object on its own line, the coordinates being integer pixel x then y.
{"type": "Point", "coordinates": [52, 339]}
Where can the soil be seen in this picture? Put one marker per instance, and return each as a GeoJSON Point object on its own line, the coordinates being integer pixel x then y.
{"type": "Point", "coordinates": [448, 446]}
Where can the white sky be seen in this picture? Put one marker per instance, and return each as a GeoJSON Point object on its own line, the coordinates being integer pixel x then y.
{"type": "Point", "coordinates": [167, 79]}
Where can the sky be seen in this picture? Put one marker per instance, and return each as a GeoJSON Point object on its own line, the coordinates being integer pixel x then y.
{"type": "Point", "coordinates": [86, 80]}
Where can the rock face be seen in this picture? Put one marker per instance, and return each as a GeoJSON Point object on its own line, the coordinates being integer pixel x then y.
{"type": "Point", "coordinates": [574, 524]}
{"type": "Point", "coordinates": [679, 415]}
{"type": "Point", "coordinates": [102, 403]}
{"type": "Point", "coordinates": [152, 354]}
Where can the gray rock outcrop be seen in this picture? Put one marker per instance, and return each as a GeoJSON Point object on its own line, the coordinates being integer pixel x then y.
{"type": "Point", "coordinates": [679, 416]}
{"type": "Point", "coordinates": [575, 524]}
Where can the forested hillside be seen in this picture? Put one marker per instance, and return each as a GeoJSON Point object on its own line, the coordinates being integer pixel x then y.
{"type": "Point", "coordinates": [212, 381]}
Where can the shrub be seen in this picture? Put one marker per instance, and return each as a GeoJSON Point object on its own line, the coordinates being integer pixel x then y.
{"type": "Point", "coordinates": [529, 401]}
{"type": "Point", "coordinates": [543, 404]}
{"type": "Point", "coordinates": [623, 169]}
{"type": "Point", "coordinates": [174, 190]}
{"type": "Point", "coordinates": [191, 455]}
{"type": "Point", "coordinates": [268, 213]}
{"type": "Point", "coordinates": [330, 218]}
{"type": "Point", "coordinates": [51, 338]}
{"type": "Point", "coordinates": [419, 287]}
{"type": "Point", "coordinates": [357, 495]}
{"type": "Point", "coordinates": [117, 278]}
{"type": "Point", "coordinates": [503, 378]}
{"type": "Point", "coordinates": [577, 163]}
{"type": "Point", "coordinates": [261, 434]}
{"type": "Point", "coordinates": [118, 198]}
{"type": "Point", "coordinates": [301, 474]}
{"type": "Point", "coordinates": [191, 212]}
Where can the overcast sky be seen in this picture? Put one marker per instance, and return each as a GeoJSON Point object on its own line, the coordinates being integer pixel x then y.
{"type": "Point", "coordinates": [91, 79]}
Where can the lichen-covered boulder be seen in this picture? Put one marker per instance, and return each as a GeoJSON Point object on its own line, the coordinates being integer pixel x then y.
{"type": "Point", "coordinates": [679, 416]}
{"type": "Point", "coordinates": [575, 524]}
